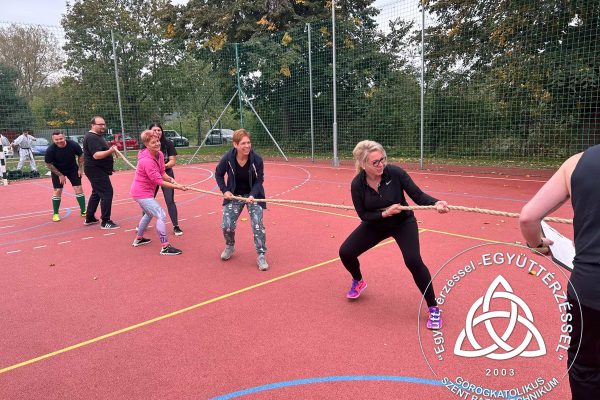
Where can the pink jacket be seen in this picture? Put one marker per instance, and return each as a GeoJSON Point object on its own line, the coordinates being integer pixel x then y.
{"type": "Point", "coordinates": [148, 175]}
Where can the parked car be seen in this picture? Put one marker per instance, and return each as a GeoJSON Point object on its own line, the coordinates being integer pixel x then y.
{"type": "Point", "coordinates": [77, 139]}
{"type": "Point", "coordinates": [219, 136]}
{"type": "Point", "coordinates": [116, 140]}
{"type": "Point", "coordinates": [39, 146]}
{"type": "Point", "coordinates": [176, 138]}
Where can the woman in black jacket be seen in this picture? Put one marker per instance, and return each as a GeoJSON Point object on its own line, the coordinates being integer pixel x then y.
{"type": "Point", "coordinates": [245, 176]}
{"type": "Point", "coordinates": [377, 193]}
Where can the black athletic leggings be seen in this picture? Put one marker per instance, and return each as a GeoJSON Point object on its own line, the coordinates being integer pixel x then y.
{"type": "Point", "coordinates": [406, 234]}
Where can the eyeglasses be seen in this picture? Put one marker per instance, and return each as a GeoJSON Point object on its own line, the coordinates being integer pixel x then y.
{"type": "Point", "coordinates": [99, 124]}
{"type": "Point", "coordinates": [377, 163]}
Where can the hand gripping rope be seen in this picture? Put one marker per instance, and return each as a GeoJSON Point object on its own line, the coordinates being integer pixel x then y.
{"type": "Point", "coordinates": [342, 207]}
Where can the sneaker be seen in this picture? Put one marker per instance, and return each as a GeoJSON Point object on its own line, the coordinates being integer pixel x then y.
{"type": "Point", "coordinates": [55, 217]}
{"type": "Point", "coordinates": [83, 213]}
{"type": "Point", "coordinates": [90, 221]}
{"type": "Point", "coordinates": [226, 254]}
{"type": "Point", "coordinates": [261, 261]}
{"type": "Point", "coordinates": [109, 225]}
{"type": "Point", "coordinates": [170, 251]}
{"type": "Point", "coordinates": [177, 230]}
{"type": "Point", "coordinates": [140, 241]}
{"type": "Point", "coordinates": [356, 289]}
{"type": "Point", "coordinates": [435, 318]}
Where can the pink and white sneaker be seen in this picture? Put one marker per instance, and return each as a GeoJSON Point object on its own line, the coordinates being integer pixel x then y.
{"type": "Point", "coordinates": [356, 289]}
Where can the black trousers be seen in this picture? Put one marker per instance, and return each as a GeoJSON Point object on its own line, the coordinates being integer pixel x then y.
{"type": "Point", "coordinates": [169, 195]}
{"type": "Point", "coordinates": [584, 375]}
{"type": "Point", "coordinates": [406, 234]}
{"type": "Point", "coordinates": [102, 193]}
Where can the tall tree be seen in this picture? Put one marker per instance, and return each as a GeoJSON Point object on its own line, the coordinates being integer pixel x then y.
{"type": "Point", "coordinates": [541, 59]}
{"type": "Point", "coordinates": [34, 54]}
{"type": "Point", "coordinates": [14, 110]}
{"type": "Point", "coordinates": [143, 52]}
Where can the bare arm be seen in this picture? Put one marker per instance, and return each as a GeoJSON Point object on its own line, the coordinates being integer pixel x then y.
{"type": "Point", "coordinates": [171, 163]}
{"type": "Point", "coordinates": [550, 197]}
{"type": "Point", "coordinates": [53, 169]}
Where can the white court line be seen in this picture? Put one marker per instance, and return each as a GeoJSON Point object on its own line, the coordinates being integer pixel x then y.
{"type": "Point", "coordinates": [39, 247]}
{"type": "Point", "coordinates": [14, 251]}
{"type": "Point", "coordinates": [183, 219]}
{"type": "Point", "coordinates": [7, 226]}
{"type": "Point", "coordinates": [87, 238]}
{"type": "Point", "coordinates": [108, 234]}
{"type": "Point", "coordinates": [65, 242]}
{"type": "Point", "coordinates": [129, 230]}
{"type": "Point", "coordinates": [197, 216]}
{"type": "Point", "coordinates": [211, 212]}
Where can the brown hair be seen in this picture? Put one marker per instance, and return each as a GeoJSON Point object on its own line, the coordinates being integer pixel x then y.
{"type": "Point", "coordinates": [362, 150]}
{"type": "Point", "coordinates": [239, 135]}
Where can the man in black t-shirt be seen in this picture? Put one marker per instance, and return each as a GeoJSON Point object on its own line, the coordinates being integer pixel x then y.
{"type": "Point", "coordinates": [98, 165]}
{"type": "Point", "coordinates": [60, 160]}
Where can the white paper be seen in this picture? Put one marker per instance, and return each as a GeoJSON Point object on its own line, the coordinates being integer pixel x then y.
{"type": "Point", "coordinates": [563, 250]}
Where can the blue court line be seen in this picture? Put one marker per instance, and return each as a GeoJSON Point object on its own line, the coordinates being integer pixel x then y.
{"type": "Point", "coordinates": [29, 228]}
{"type": "Point", "coordinates": [341, 378]}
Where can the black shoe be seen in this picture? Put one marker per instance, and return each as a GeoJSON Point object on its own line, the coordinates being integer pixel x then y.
{"type": "Point", "coordinates": [109, 225]}
{"type": "Point", "coordinates": [177, 230]}
{"type": "Point", "coordinates": [141, 241]}
{"type": "Point", "coordinates": [170, 251]}
{"type": "Point", "coordinates": [90, 221]}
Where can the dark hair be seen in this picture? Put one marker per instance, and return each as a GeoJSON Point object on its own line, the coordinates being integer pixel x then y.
{"type": "Point", "coordinates": [56, 133]}
{"type": "Point", "coordinates": [163, 139]}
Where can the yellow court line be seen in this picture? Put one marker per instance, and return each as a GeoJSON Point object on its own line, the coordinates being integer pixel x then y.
{"type": "Point", "coordinates": [166, 316]}
{"type": "Point", "coordinates": [318, 211]}
{"type": "Point", "coordinates": [210, 301]}
{"type": "Point", "coordinates": [462, 236]}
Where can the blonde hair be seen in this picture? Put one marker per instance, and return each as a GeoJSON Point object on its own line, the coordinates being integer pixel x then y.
{"type": "Point", "coordinates": [147, 135]}
{"type": "Point", "coordinates": [362, 150]}
{"type": "Point", "coordinates": [239, 135]}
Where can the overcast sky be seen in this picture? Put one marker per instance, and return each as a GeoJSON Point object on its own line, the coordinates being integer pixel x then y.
{"type": "Point", "coordinates": [49, 12]}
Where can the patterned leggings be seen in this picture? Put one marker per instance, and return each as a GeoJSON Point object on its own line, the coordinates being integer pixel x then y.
{"type": "Point", "coordinates": [153, 209]}
{"type": "Point", "coordinates": [231, 213]}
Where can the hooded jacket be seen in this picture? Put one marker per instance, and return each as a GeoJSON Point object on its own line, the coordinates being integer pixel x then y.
{"type": "Point", "coordinates": [256, 177]}
{"type": "Point", "coordinates": [148, 174]}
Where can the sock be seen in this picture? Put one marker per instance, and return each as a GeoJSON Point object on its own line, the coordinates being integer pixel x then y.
{"type": "Point", "coordinates": [55, 204]}
{"type": "Point", "coordinates": [81, 200]}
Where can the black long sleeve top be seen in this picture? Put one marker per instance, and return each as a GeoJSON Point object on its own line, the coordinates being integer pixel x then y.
{"type": "Point", "coordinates": [394, 183]}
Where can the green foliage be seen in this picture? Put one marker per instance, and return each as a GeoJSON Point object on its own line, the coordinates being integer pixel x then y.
{"type": "Point", "coordinates": [14, 110]}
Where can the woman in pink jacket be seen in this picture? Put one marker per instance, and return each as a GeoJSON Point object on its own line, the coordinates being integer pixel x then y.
{"type": "Point", "coordinates": [150, 172]}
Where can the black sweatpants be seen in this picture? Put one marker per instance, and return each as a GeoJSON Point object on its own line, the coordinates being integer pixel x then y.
{"type": "Point", "coordinates": [584, 374]}
{"type": "Point", "coordinates": [169, 195]}
{"type": "Point", "coordinates": [406, 234]}
{"type": "Point", "coordinates": [102, 193]}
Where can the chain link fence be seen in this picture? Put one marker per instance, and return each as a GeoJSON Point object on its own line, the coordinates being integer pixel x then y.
{"type": "Point", "coordinates": [524, 90]}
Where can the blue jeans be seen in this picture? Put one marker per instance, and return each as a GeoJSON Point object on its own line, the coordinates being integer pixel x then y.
{"type": "Point", "coordinates": [231, 213]}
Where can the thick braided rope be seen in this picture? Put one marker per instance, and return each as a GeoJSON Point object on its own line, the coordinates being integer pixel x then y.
{"type": "Point", "coordinates": [457, 208]}
{"type": "Point", "coordinates": [124, 158]}
{"type": "Point", "coordinates": [342, 207]}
